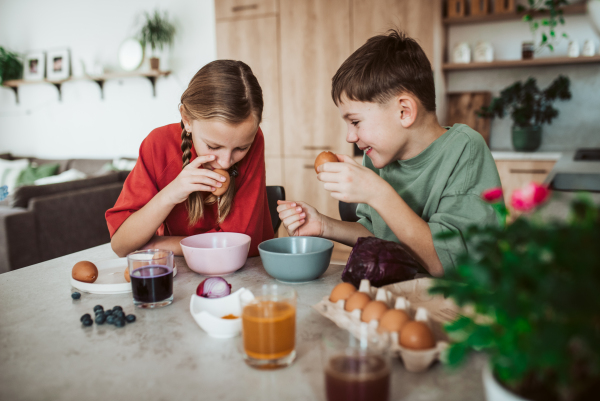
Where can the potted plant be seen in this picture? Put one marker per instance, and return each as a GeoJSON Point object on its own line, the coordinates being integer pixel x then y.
{"type": "Point", "coordinates": [530, 296]}
{"type": "Point", "coordinates": [11, 66]}
{"type": "Point", "coordinates": [554, 12]}
{"type": "Point", "coordinates": [529, 108]}
{"type": "Point", "coordinates": [157, 32]}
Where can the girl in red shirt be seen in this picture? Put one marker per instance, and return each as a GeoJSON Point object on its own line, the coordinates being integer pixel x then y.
{"type": "Point", "coordinates": [167, 196]}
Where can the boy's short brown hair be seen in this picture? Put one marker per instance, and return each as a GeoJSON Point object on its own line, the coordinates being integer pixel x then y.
{"type": "Point", "coordinates": [385, 66]}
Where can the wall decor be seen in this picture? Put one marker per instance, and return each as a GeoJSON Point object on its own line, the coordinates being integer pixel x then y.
{"type": "Point", "coordinates": [58, 64]}
{"type": "Point", "coordinates": [461, 53]}
{"type": "Point", "coordinates": [131, 54]}
{"type": "Point", "coordinates": [483, 53]}
{"type": "Point", "coordinates": [34, 67]}
{"type": "Point", "coordinates": [589, 48]}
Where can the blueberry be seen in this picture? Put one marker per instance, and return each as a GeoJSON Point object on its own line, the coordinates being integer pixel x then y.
{"type": "Point", "coordinates": [110, 319]}
{"type": "Point", "coordinates": [108, 312]}
{"type": "Point", "coordinates": [116, 308]}
{"type": "Point", "coordinates": [130, 318]}
{"type": "Point", "coordinates": [119, 314]}
{"type": "Point", "coordinates": [120, 322]}
{"type": "Point", "coordinates": [75, 295]}
{"type": "Point", "coordinates": [87, 322]}
{"type": "Point", "coordinates": [98, 307]}
{"type": "Point", "coordinates": [100, 319]}
{"type": "Point", "coordinates": [84, 317]}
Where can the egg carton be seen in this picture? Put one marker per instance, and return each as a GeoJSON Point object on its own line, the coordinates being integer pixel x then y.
{"type": "Point", "coordinates": [414, 360]}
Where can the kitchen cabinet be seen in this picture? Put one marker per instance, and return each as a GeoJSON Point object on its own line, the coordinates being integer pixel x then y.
{"type": "Point", "coordinates": [315, 41]}
{"type": "Point", "coordinates": [244, 8]}
{"type": "Point", "coordinates": [516, 173]}
{"type": "Point", "coordinates": [254, 41]}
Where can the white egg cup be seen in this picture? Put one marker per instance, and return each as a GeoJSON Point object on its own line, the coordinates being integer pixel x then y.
{"type": "Point", "coordinates": [209, 312]}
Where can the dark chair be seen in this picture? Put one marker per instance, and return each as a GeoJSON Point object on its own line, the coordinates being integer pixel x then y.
{"type": "Point", "coordinates": [275, 193]}
{"type": "Point", "coordinates": [348, 211]}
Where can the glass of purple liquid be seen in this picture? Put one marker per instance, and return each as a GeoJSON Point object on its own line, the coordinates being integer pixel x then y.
{"type": "Point", "coordinates": [151, 275]}
{"type": "Point", "coordinates": [357, 367]}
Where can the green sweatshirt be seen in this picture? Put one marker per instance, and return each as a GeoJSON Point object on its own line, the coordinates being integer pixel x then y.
{"type": "Point", "coordinates": [442, 184]}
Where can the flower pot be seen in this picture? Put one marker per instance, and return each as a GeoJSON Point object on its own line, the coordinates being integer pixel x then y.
{"type": "Point", "coordinates": [494, 390]}
{"type": "Point", "coordinates": [154, 63]}
{"type": "Point", "coordinates": [526, 139]}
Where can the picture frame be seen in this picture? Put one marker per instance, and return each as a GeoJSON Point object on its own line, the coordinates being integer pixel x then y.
{"type": "Point", "coordinates": [34, 67]}
{"type": "Point", "coordinates": [58, 64]}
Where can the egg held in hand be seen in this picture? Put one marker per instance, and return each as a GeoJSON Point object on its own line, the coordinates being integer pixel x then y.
{"type": "Point", "coordinates": [221, 190]}
{"type": "Point", "coordinates": [325, 157]}
{"type": "Point", "coordinates": [416, 335]}
{"type": "Point", "coordinates": [342, 291]}
{"type": "Point", "coordinates": [85, 271]}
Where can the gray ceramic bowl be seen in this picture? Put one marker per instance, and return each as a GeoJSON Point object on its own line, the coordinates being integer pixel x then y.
{"type": "Point", "coordinates": [296, 259]}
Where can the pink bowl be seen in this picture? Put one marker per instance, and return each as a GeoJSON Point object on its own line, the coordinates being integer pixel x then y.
{"type": "Point", "coordinates": [215, 254]}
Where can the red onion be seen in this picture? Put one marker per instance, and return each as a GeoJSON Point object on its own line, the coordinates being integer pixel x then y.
{"type": "Point", "coordinates": [213, 287]}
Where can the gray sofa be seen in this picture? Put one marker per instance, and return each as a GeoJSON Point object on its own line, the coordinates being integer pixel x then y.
{"type": "Point", "coordinates": [42, 222]}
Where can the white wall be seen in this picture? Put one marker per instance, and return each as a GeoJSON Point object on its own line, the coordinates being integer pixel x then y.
{"type": "Point", "coordinates": [82, 124]}
{"type": "Point", "coordinates": [578, 122]}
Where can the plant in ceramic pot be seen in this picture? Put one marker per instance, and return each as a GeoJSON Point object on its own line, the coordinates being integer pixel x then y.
{"type": "Point", "coordinates": [530, 297]}
{"type": "Point", "coordinates": [529, 108]}
{"type": "Point", "coordinates": [157, 32]}
{"type": "Point", "coordinates": [11, 66]}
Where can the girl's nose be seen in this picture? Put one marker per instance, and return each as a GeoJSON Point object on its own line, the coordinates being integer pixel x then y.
{"type": "Point", "coordinates": [225, 161]}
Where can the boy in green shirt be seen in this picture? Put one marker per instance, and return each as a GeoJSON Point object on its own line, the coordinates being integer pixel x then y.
{"type": "Point", "coordinates": [418, 179]}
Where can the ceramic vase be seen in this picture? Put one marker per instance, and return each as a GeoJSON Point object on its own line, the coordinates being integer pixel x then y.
{"type": "Point", "coordinates": [494, 391]}
{"type": "Point", "coordinates": [526, 139]}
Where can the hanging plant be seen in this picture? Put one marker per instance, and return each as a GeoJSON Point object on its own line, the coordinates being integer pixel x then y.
{"type": "Point", "coordinates": [548, 25]}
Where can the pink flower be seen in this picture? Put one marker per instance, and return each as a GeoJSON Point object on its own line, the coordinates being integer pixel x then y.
{"type": "Point", "coordinates": [492, 195]}
{"type": "Point", "coordinates": [530, 196]}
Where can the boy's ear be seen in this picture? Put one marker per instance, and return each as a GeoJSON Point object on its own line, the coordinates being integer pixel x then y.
{"type": "Point", "coordinates": [408, 110]}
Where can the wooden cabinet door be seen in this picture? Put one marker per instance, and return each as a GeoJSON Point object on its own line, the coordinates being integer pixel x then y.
{"type": "Point", "coordinates": [274, 170]}
{"type": "Point", "coordinates": [254, 41]}
{"type": "Point", "coordinates": [516, 173]}
{"type": "Point", "coordinates": [244, 8]}
{"type": "Point", "coordinates": [315, 41]}
{"type": "Point", "coordinates": [375, 17]}
{"type": "Point", "coordinates": [301, 184]}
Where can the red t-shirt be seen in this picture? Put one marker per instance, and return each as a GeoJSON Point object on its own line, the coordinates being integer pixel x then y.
{"type": "Point", "coordinates": [160, 162]}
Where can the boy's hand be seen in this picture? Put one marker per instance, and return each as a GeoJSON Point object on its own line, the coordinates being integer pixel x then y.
{"type": "Point", "coordinates": [193, 178]}
{"type": "Point", "coordinates": [350, 182]}
{"type": "Point", "coordinates": [300, 219]}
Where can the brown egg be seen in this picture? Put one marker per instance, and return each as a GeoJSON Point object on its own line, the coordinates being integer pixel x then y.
{"type": "Point", "coordinates": [85, 271]}
{"type": "Point", "coordinates": [416, 335]}
{"type": "Point", "coordinates": [373, 311]}
{"type": "Point", "coordinates": [358, 300]}
{"type": "Point", "coordinates": [342, 291]}
{"type": "Point", "coordinates": [325, 157]}
{"type": "Point", "coordinates": [126, 274]}
{"type": "Point", "coordinates": [221, 190]}
{"type": "Point", "coordinates": [393, 320]}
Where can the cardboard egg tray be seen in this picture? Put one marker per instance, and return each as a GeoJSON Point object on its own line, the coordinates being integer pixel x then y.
{"type": "Point", "coordinates": [411, 296]}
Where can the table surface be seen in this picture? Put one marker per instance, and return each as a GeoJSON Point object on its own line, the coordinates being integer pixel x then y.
{"type": "Point", "coordinates": [45, 352]}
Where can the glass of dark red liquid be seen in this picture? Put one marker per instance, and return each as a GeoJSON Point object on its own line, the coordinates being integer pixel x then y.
{"type": "Point", "coordinates": [357, 368]}
{"type": "Point", "coordinates": [151, 275]}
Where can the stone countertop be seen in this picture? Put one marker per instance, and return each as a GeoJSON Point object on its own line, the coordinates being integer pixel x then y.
{"type": "Point", "coordinates": [45, 352]}
{"type": "Point", "coordinates": [511, 155]}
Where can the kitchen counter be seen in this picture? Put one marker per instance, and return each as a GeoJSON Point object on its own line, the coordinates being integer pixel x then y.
{"type": "Point", "coordinates": [46, 353]}
{"type": "Point", "coordinates": [567, 164]}
{"type": "Point", "coordinates": [511, 155]}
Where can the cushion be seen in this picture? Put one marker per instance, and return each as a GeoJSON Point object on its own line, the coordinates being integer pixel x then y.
{"type": "Point", "coordinates": [23, 194]}
{"type": "Point", "coordinates": [34, 172]}
{"type": "Point", "coordinates": [10, 171]}
{"type": "Point", "coordinates": [69, 175]}
{"type": "Point", "coordinates": [117, 165]}
{"type": "Point", "coordinates": [88, 166]}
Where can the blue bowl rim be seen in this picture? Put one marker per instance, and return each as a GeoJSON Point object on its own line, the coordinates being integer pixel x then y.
{"type": "Point", "coordinates": [295, 254]}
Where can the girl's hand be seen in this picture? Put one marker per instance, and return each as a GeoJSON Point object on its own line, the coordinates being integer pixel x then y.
{"type": "Point", "coordinates": [300, 219]}
{"type": "Point", "coordinates": [193, 178]}
{"type": "Point", "coordinates": [350, 182]}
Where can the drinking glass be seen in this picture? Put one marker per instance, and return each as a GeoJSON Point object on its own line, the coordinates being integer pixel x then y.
{"type": "Point", "coordinates": [151, 274]}
{"type": "Point", "coordinates": [356, 368]}
{"type": "Point", "coordinates": [269, 327]}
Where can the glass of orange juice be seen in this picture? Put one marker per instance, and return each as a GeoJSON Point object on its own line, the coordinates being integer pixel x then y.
{"type": "Point", "coordinates": [269, 327]}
